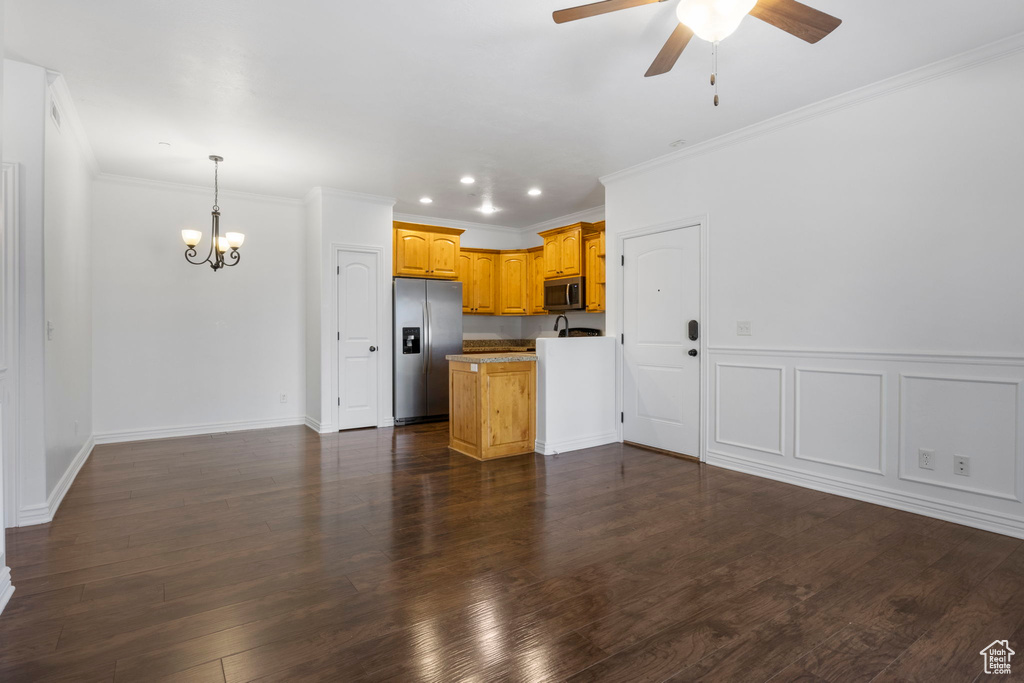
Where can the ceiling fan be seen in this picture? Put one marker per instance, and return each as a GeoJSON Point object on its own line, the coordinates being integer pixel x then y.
{"type": "Point", "coordinates": [713, 20]}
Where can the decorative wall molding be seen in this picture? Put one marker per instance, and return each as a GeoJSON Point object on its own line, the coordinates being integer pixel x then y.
{"type": "Point", "coordinates": [451, 223]}
{"type": "Point", "coordinates": [557, 447]}
{"type": "Point", "coordinates": [782, 408]}
{"type": "Point", "coordinates": [312, 424]}
{"type": "Point", "coordinates": [31, 515]}
{"type": "Point", "coordinates": [904, 420]}
{"type": "Point", "coordinates": [193, 189]}
{"type": "Point", "coordinates": [882, 409]}
{"type": "Point", "coordinates": [880, 495]}
{"type": "Point", "coordinates": [6, 588]}
{"type": "Point", "coordinates": [357, 196]}
{"type": "Point", "coordinates": [585, 216]}
{"type": "Point", "coordinates": [196, 430]}
{"type": "Point", "coordinates": [967, 60]}
{"type": "Point", "coordinates": [895, 356]}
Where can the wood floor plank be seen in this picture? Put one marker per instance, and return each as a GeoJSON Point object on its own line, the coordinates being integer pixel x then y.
{"type": "Point", "coordinates": [380, 555]}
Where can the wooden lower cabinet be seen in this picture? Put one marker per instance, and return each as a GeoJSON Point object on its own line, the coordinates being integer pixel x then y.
{"type": "Point", "coordinates": [492, 408]}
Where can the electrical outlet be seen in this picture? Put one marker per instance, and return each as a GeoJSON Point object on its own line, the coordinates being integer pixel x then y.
{"type": "Point", "coordinates": [962, 465]}
{"type": "Point", "coordinates": [925, 459]}
{"type": "Point", "coordinates": [743, 328]}
{"type": "Point", "coordinates": [284, 398]}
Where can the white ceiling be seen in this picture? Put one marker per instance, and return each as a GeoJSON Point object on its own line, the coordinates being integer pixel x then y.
{"type": "Point", "coordinates": [401, 98]}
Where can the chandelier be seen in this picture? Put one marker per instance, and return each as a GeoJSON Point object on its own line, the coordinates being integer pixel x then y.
{"type": "Point", "coordinates": [219, 246]}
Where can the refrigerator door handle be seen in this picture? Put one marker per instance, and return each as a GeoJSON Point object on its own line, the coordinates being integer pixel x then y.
{"type": "Point", "coordinates": [429, 356]}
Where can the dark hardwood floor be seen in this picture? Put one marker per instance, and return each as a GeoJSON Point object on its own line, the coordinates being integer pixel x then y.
{"type": "Point", "coordinates": [280, 555]}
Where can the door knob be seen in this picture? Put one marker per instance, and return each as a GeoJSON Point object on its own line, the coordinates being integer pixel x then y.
{"type": "Point", "coordinates": [693, 352]}
{"type": "Point", "coordinates": [374, 348]}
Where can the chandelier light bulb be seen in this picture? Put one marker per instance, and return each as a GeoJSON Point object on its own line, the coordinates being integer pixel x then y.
{"type": "Point", "coordinates": [222, 244]}
{"type": "Point", "coordinates": [713, 20]}
{"type": "Point", "coordinates": [191, 237]}
{"type": "Point", "coordinates": [235, 239]}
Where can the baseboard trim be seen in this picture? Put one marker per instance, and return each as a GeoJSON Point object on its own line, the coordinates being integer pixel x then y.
{"type": "Point", "coordinates": [313, 424]}
{"type": "Point", "coordinates": [43, 513]}
{"type": "Point", "coordinates": [929, 507]}
{"type": "Point", "coordinates": [575, 444]}
{"type": "Point", "coordinates": [6, 587]}
{"type": "Point", "coordinates": [197, 430]}
{"type": "Point", "coordinates": [387, 422]}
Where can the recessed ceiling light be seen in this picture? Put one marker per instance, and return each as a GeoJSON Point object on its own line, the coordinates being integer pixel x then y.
{"type": "Point", "coordinates": [468, 180]}
{"type": "Point", "coordinates": [534, 192]}
{"type": "Point", "coordinates": [426, 200]}
{"type": "Point", "coordinates": [487, 208]}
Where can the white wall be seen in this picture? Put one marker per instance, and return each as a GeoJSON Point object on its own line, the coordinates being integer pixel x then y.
{"type": "Point", "coordinates": [183, 349]}
{"type": "Point", "coordinates": [351, 219]}
{"type": "Point", "coordinates": [575, 394]}
{"type": "Point", "coordinates": [874, 243]}
{"type": "Point", "coordinates": [24, 116]}
{"type": "Point", "coordinates": [67, 289]}
{"type": "Point", "coordinates": [6, 589]}
{"type": "Point", "coordinates": [313, 283]}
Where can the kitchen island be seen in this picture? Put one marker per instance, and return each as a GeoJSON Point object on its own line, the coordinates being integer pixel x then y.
{"type": "Point", "coordinates": [492, 401]}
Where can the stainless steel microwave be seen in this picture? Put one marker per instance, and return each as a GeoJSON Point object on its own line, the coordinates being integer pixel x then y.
{"type": "Point", "coordinates": [564, 294]}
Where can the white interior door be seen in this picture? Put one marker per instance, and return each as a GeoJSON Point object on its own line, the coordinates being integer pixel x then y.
{"type": "Point", "coordinates": [661, 380]}
{"type": "Point", "coordinates": [358, 346]}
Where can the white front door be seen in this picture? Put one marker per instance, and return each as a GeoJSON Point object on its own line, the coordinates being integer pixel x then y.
{"type": "Point", "coordinates": [358, 353]}
{"type": "Point", "coordinates": [661, 380]}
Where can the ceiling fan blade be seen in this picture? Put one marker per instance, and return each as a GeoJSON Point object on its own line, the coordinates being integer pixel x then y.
{"type": "Point", "coordinates": [796, 18]}
{"type": "Point", "coordinates": [674, 47]}
{"type": "Point", "coordinates": [593, 9]}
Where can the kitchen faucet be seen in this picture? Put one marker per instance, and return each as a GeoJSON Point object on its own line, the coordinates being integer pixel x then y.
{"type": "Point", "coordinates": [561, 316]}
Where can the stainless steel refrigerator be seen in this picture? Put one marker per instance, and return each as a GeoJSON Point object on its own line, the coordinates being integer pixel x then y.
{"type": "Point", "coordinates": [428, 327]}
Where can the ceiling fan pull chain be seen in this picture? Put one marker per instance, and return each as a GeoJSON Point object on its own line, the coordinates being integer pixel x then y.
{"type": "Point", "coordinates": [714, 69]}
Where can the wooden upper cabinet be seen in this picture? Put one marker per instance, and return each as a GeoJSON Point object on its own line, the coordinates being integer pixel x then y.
{"type": "Point", "coordinates": [572, 253]}
{"type": "Point", "coordinates": [563, 250]}
{"type": "Point", "coordinates": [538, 270]}
{"type": "Point", "coordinates": [478, 272]}
{"type": "Point", "coordinates": [485, 268]}
{"type": "Point", "coordinates": [513, 287]}
{"type": "Point", "coordinates": [444, 254]}
{"type": "Point", "coordinates": [595, 285]}
{"type": "Point", "coordinates": [464, 272]}
{"type": "Point", "coordinates": [426, 251]}
{"type": "Point", "coordinates": [412, 253]}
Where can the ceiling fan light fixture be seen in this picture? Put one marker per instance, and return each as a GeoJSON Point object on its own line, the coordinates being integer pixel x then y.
{"type": "Point", "coordinates": [713, 20]}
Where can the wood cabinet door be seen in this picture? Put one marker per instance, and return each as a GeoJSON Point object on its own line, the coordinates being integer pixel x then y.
{"type": "Point", "coordinates": [572, 253]}
{"type": "Point", "coordinates": [412, 253]}
{"type": "Point", "coordinates": [485, 268]}
{"type": "Point", "coordinates": [538, 270]}
{"type": "Point", "coordinates": [464, 272]}
{"type": "Point", "coordinates": [444, 253]}
{"type": "Point", "coordinates": [513, 284]}
{"type": "Point", "coordinates": [594, 273]}
{"type": "Point", "coordinates": [553, 256]}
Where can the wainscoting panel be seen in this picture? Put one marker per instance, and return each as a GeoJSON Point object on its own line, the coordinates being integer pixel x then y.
{"type": "Point", "coordinates": [856, 421]}
{"type": "Point", "coordinates": [749, 410]}
{"type": "Point", "coordinates": [840, 418]}
{"type": "Point", "coordinates": [961, 416]}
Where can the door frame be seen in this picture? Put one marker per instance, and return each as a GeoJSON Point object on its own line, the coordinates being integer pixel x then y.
{"type": "Point", "coordinates": [701, 223]}
{"type": "Point", "coordinates": [10, 441]}
{"type": "Point", "coordinates": [383, 335]}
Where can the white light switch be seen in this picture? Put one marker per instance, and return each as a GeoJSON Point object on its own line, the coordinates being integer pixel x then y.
{"type": "Point", "coordinates": [743, 328]}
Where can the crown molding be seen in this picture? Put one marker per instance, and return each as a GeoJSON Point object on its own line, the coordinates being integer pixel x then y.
{"type": "Point", "coordinates": [585, 216]}
{"type": "Point", "coordinates": [195, 189]}
{"type": "Point", "coordinates": [61, 96]}
{"type": "Point", "coordinates": [356, 196]}
{"type": "Point", "coordinates": [909, 79]}
{"type": "Point", "coordinates": [451, 223]}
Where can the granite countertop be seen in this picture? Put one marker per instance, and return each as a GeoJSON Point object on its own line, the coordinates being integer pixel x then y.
{"type": "Point", "coordinates": [512, 357]}
{"type": "Point", "coordinates": [499, 345]}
